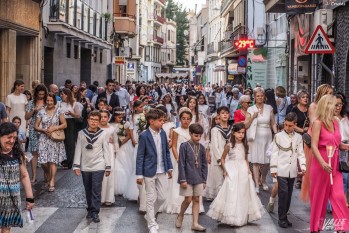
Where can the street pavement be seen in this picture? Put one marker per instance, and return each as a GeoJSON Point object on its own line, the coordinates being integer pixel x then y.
{"type": "Point", "coordinates": [64, 211]}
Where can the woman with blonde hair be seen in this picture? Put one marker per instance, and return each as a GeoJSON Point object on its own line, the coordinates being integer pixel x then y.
{"type": "Point", "coordinates": [326, 181]}
{"type": "Point", "coordinates": [320, 92]}
{"type": "Point", "coordinates": [259, 136]}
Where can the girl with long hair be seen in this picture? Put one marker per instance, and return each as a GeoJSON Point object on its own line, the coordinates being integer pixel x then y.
{"type": "Point", "coordinates": [34, 106]}
{"type": "Point", "coordinates": [236, 203]}
{"type": "Point", "coordinates": [324, 89]}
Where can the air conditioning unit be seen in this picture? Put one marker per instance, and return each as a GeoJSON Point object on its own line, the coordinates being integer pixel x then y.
{"type": "Point", "coordinates": [324, 17]}
{"type": "Point", "coordinates": [124, 52]}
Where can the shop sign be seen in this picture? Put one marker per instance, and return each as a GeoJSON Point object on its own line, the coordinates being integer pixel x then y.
{"type": "Point", "coordinates": [119, 60]}
{"type": "Point", "coordinates": [294, 7]}
{"type": "Point", "coordinates": [256, 70]}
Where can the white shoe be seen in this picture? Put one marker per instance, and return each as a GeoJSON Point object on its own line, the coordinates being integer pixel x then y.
{"type": "Point", "coordinates": [153, 230]}
{"type": "Point", "coordinates": [257, 190]}
{"type": "Point", "coordinates": [265, 187]}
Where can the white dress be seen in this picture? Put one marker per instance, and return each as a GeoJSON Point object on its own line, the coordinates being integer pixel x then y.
{"type": "Point", "coordinates": [123, 161]}
{"type": "Point", "coordinates": [109, 182]}
{"type": "Point", "coordinates": [259, 147]}
{"type": "Point", "coordinates": [237, 202]}
{"type": "Point", "coordinates": [17, 104]}
{"type": "Point", "coordinates": [172, 204]}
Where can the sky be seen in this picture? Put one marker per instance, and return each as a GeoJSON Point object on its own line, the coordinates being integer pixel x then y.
{"type": "Point", "coordinates": [190, 4]}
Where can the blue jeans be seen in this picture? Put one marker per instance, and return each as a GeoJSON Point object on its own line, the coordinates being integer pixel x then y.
{"type": "Point", "coordinates": [93, 190]}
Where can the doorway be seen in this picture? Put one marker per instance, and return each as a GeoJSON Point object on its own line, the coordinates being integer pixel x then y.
{"type": "Point", "coordinates": [85, 66]}
{"type": "Point", "coordinates": [48, 66]}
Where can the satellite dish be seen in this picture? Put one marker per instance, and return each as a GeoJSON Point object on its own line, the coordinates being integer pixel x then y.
{"type": "Point", "coordinates": [186, 32]}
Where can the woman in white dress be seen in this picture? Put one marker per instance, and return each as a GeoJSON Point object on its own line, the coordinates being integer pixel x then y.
{"type": "Point", "coordinates": [16, 102]}
{"type": "Point", "coordinates": [193, 105]}
{"type": "Point", "coordinates": [259, 136]}
{"type": "Point", "coordinates": [237, 202]}
{"type": "Point", "coordinates": [123, 164]}
{"type": "Point", "coordinates": [107, 196]}
{"type": "Point", "coordinates": [134, 191]}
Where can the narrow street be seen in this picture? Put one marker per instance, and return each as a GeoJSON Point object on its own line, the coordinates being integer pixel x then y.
{"type": "Point", "coordinates": [64, 211]}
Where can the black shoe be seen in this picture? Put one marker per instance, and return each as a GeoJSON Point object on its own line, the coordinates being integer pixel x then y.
{"type": "Point", "coordinates": [88, 216]}
{"type": "Point", "coordinates": [95, 218]}
{"type": "Point", "coordinates": [283, 224]}
{"type": "Point", "coordinates": [289, 223]}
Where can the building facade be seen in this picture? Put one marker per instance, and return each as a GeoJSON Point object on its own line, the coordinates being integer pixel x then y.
{"type": "Point", "coordinates": [168, 49]}
{"type": "Point", "coordinates": [20, 45]}
{"type": "Point", "coordinates": [76, 41]}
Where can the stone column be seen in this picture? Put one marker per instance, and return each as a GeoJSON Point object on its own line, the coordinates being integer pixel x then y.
{"type": "Point", "coordinates": [7, 61]}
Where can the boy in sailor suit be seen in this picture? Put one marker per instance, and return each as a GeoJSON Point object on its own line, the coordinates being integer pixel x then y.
{"type": "Point", "coordinates": [287, 148]}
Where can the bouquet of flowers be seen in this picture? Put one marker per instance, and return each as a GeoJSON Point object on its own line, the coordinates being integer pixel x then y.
{"type": "Point", "coordinates": [141, 123]}
{"type": "Point", "coordinates": [121, 133]}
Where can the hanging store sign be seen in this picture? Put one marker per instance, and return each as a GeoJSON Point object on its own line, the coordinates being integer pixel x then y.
{"type": "Point", "coordinates": [119, 60]}
{"type": "Point", "coordinates": [233, 68]}
{"type": "Point", "coordinates": [295, 7]}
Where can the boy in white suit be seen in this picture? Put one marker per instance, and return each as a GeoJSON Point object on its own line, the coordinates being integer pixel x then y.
{"type": "Point", "coordinates": [287, 148]}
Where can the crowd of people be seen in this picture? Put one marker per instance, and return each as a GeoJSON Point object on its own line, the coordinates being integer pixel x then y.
{"type": "Point", "coordinates": [215, 144]}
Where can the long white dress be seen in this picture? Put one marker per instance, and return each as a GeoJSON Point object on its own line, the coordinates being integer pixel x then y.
{"type": "Point", "coordinates": [259, 146]}
{"type": "Point", "coordinates": [109, 182]}
{"type": "Point", "coordinates": [237, 202]}
{"type": "Point", "coordinates": [172, 204]}
{"type": "Point", "coordinates": [123, 162]}
{"type": "Point", "coordinates": [17, 104]}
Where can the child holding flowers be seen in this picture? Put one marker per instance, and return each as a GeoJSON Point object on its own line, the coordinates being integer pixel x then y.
{"type": "Point", "coordinates": [123, 161]}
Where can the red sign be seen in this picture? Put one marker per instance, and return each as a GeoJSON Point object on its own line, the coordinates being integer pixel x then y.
{"type": "Point", "coordinates": [244, 44]}
{"type": "Point", "coordinates": [319, 43]}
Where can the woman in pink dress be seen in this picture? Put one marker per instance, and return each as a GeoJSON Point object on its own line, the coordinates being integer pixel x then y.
{"type": "Point", "coordinates": [324, 89]}
{"type": "Point", "coordinates": [325, 132]}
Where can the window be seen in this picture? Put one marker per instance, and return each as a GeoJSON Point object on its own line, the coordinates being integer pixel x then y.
{"type": "Point", "coordinates": [169, 35]}
{"type": "Point", "coordinates": [76, 51]}
{"type": "Point", "coordinates": [101, 57]}
{"type": "Point", "coordinates": [95, 56]}
{"type": "Point", "coordinates": [147, 53]}
{"type": "Point", "coordinates": [68, 50]}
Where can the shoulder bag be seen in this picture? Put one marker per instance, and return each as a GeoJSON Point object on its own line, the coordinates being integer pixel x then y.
{"type": "Point", "coordinates": [57, 135]}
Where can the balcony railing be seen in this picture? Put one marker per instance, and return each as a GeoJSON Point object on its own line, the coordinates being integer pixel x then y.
{"type": "Point", "coordinates": [79, 15]}
{"type": "Point", "coordinates": [225, 45]}
{"type": "Point", "coordinates": [160, 19]}
{"type": "Point", "coordinates": [225, 4]}
{"type": "Point", "coordinates": [158, 39]}
{"type": "Point", "coordinates": [125, 24]}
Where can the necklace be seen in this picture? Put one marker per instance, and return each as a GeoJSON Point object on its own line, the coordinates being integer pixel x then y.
{"type": "Point", "coordinates": [195, 149]}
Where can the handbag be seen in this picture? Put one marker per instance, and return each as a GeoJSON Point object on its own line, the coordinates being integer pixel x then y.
{"type": "Point", "coordinates": [343, 167]}
{"type": "Point", "coordinates": [58, 135]}
{"type": "Point", "coordinates": [307, 139]}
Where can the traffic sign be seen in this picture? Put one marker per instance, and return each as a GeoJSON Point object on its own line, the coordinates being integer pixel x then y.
{"type": "Point", "coordinates": [242, 61]}
{"type": "Point", "coordinates": [319, 42]}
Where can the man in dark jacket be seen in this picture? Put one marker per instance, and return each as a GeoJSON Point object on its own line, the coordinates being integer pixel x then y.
{"type": "Point", "coordinates": [112, 98]}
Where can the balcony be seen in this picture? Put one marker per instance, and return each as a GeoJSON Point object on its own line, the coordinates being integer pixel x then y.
{"type": "Point", "coordinates": [160, 19]}
{"type": "Point", "coordinates": [159, 40]}
{"type": "Point", "coordinates": [125, 24]}
{"type": "Point", "coordinates": [160, 2]}
{"type": "Point", "coordinates": [227, 6]}
{"type": "Point", "coordinates": [211, 49]}
{"type": "Point", "coordinates": [225, 46]}
{"type": "Point", "coordinates": [275, 6]}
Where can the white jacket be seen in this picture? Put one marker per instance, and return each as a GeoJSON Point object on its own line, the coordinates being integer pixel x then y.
{"type": "Point", "coordinates": [282, 162]}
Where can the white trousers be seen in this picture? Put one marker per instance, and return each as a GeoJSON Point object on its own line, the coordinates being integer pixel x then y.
{"type": "Point", "coordinates": [155, 188]}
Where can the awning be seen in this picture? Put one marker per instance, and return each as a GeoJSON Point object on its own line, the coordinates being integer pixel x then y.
{"type": "Point", "coordinates": [171, 75]}
{"type": "Point", "coordinates": [219, 68]}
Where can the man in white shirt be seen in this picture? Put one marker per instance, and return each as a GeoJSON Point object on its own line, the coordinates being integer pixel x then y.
{"type": "Point", "coordinates": [124, 96]}
{"type": "Point", "coordinates": [287, 148]}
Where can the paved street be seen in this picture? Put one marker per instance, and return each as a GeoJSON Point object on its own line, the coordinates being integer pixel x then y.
{"type": "Point", "coordinates": [63, 211]}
